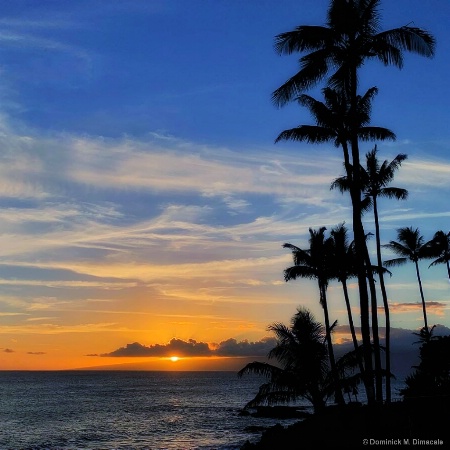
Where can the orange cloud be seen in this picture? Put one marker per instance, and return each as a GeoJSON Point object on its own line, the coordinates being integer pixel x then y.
{"type": "Point", "coordinates": [437, 308]}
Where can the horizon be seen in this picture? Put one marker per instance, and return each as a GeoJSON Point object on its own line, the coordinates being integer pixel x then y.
{"type": "Point", "coordinates": [143, 200]}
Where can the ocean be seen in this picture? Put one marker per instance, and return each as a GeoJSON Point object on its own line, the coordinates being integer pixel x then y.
{"type": "Point", "coordinates": [127, 410]}
{"type": "Point", "coordinates": [98, 410]}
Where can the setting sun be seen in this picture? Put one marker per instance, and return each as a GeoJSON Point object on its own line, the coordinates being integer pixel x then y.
{"type": "Point", "coordinates": [174, 358]}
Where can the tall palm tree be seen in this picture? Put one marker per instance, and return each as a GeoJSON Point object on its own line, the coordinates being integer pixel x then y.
{"type": "Point", "coordinates": [332, 118]}
{"type": "Point", "coordinates": [344, 268]}
{"type": "Point", "coordinates": [303, 369]}
{"type": "Point", "coordinates": [439, 247]}
{"type": "Point", "coordinates": [410, 245]}
{"type": "Point", "coordinates": [313, 263]}
{"type": "Point", "coordinates": [333, 123]}
{"type": "Point", "coordinates": [351, 36]}
{"type": "Point", "coordinates": [375, 179]}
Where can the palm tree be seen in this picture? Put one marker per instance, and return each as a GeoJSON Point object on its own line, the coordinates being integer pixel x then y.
{"type": "Point", "coordinates": [333, 123]}
{"type": "Point", "coordinates": [375, 179]}
{"type": "Point", "coordinates": [314, 264]}
{"type": "Point", "coordinates": [303, 369]}
{"type": "Point", "coordinates": [344, 261]}
{"type": "Point", "coordinates": [350, 37]}
{"type": "Point", "coordinates": [440, 246]}
{"type": "Point", "coordinates": [410, 246]}
{"type": "Point", "coordinates": [332, 119]}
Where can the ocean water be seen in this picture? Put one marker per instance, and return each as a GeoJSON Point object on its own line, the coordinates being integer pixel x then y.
{"type": "Point", "coordinates": [127, 410]}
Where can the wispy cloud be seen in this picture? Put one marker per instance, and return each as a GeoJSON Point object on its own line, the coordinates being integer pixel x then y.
{"type": "Point", "coordinates": [433, 307]}
{"type": "Point", "coordinates": [209, 224]}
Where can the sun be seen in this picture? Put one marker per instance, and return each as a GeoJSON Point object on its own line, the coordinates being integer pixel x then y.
{"type": "Point", "coordinates": [174, 358]}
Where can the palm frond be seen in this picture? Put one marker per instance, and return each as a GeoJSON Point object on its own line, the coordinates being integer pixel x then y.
{"type": "Point", "coordinates": [259, 368]}
{"type": "Point", "coordinates": [302, 38]}
{"type": "Point", "coordinates": [312, 134]}
{"type": "Point", "coordinates": [341, 183]}
{"type": "Point", "coordinates": [395, 262]}
{"type": "Point", "coordinates": [376, 134]}
{"type": "Point", "coordinates": [412, 39]}
{"type": "Point", "coordinates": [314, 67]}
{"type": "Point", "coordinates": [393, 192]}
{"type": "Point", "coordinates": [294, 272]}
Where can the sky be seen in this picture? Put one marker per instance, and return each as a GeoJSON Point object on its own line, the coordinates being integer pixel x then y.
{"type": "Point", "coordinates": [143, 201]}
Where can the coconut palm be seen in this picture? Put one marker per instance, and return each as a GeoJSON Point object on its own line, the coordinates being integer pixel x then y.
{"type": "Point", "coordinates": [313, 263]}
{"type": "Point", "coordinates": [333, 123]}
{"type": "Point", "coordinates": [350, 37]}
{"type": "Point", "coordinates": [344, 268]}
{"type": "Point", "coordinates": [303, 369]}
{"type": "Point", "coordinates": [375, 179]}
{"type": "Point", "coordinates": [410, 245]}
{"type": "Point", "coordinates": [440, 246]}
{"type": "Point", "coordinates": [332, 118]}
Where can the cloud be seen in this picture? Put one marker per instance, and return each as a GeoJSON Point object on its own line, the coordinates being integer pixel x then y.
{"type": "Point", "coordinates": [50, 328]}
{"type": "Point", "coordinates": [184, 222]}
{"type": "Point", "coordinates": [232, 347]}
{"type": "Point", "coordinates": [425, 172]}
{"type": "Point", "coordinates": [178, 347]}
{"type": "Point", "coordinates": [36, 353]}
{"type": "Point", "coordinates": [433, 307]}
{"type": "Point", "coordinates": [400, 338]}
{"type": "Point", "coordinates": [8, 350]}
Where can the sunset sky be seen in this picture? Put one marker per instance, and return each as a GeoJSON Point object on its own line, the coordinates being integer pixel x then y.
{"type": "Point", "coordinates": [144, 203]}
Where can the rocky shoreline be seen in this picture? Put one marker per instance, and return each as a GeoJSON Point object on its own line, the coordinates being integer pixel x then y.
{"type": "Point", "coordinates": [421, 423]}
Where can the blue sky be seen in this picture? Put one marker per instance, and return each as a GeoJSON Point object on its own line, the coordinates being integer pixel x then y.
{"type": "Point", "coordinates": [142, 195]}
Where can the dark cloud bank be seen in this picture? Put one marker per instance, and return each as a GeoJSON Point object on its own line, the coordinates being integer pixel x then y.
{"type": "Point", "coordinates": [404, 348]}
{"type": "Point", "coordinates": [178, 347]}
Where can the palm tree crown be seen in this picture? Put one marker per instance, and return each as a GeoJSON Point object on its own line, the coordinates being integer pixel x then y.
{"type": "Point", "coordinates": [439, 247]}
{"type": "Point", "coordinates": [410, 245]}
{"type": "Point", "coordinates": [332, 119]}
{"type": "Point", "coordinates": [313, 263]}
{"type": "Point", "coordinates": [303, 370]}
{"type": "Point", "coordinates": [351, 35]}
{"type": "Point", "coordinates": [376, 177]}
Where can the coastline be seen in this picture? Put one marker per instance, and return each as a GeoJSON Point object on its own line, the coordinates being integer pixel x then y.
{"type": "Point", "coordinates": [421, 423]}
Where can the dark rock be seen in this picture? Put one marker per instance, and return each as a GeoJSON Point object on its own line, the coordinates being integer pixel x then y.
{"type": "Point", "coordinates": [280, 412]}
{"type": "Point", "coordinates": [348, 427]}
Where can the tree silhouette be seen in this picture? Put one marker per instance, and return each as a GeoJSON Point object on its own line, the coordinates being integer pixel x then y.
{"type": "Point", "coordinates": [332, 118]}
{"type": "Point", "coordinates": [432, 376]}
{"type": "Point", "coordinates": [375, 179]}
{"type": "Point", "coordinates": [410, 245]}
{"type": "Point", "coordinates": [303, 369]}
{"type": "Point", "coordinates": [344, 267]}
{"type": "Point", "coordinates": [313, 263]}
{"type": "Point", "coordinates": [351, 36]}
{"type": "Point", "coordinates": [439, 247]}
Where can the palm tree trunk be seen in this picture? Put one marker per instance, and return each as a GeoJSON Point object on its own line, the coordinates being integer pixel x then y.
{"type": "Point", "coordinates": [375, 333]}
{"type": "Point", "coordinates": [360, 242]}
{"type": "Point", "coordinates": [385, 304]}
{"type": "Point", "coordinates": [424, 308]}
{"type": "Point", "coordinates": [352, 326]}
{"type": "Point", "coordinates": [323, 300]}
{"type": "Point", "coordinates": [448, 269]}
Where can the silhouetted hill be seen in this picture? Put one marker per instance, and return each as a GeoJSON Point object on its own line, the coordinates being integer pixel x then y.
{"type": "Point", "coordinates": [404, 349]}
